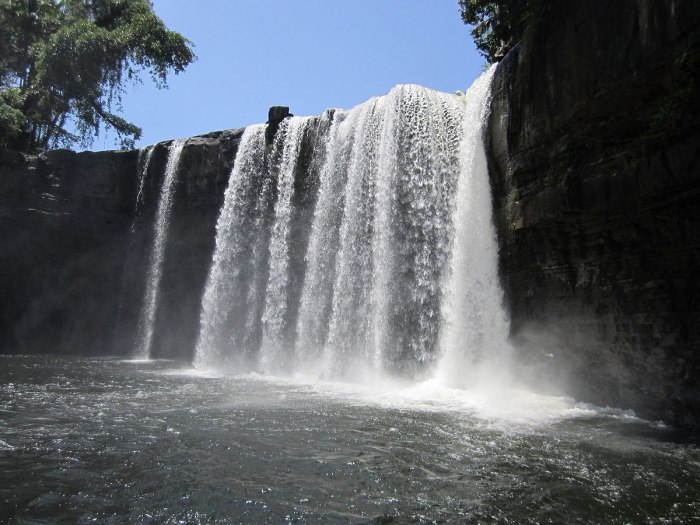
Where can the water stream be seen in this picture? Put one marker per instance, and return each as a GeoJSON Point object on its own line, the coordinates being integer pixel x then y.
{"type": "Point", "coordinates": [155, 260]}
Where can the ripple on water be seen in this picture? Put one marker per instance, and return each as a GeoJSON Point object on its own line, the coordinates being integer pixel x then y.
{"type": "Point", "coordinates": [128, 442]}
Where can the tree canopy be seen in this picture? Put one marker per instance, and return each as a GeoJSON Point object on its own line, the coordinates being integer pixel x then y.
{"type": "Point", "coordinates": [498, 24]}
{"type": "Point", "coordinates": [64, 65]}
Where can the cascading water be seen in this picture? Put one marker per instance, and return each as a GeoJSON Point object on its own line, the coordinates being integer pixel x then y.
{"type": "Point", "coordinates": [400, 268]}
{"type": "Point", "coordinates": [155, 263]}
{"type": "Point", "coordinates": [245, 301]}
{"type": "Point", "coordinates": [474, 331]}
{"type": "Point", "coordinates": [275, 336]}
{"type": "Point", "coordinates": [380, 234]}
{"type": "Point", "coordinates": [143, 163]}
{"type": "Point", "coordinates": [230, 289]}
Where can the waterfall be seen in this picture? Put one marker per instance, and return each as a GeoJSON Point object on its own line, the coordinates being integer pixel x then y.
{"type": "Point", "coordinates": [230, 290]}
{"type": "Point", "coordinates": [274, 319]}
{"type": "Point", "coordinates": [380, 234]}
{"type": "Point", "coordinates": [400, 272]}
{"type": "Point", "coordinates": [474, 332]}
{"type": "Point", "coordinates": [143, 163]}
{"type": "Point", "coordinates": [155, 262]}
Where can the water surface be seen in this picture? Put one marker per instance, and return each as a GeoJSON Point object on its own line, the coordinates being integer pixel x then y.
{"type": "Point", "coordinates": [109, 441]}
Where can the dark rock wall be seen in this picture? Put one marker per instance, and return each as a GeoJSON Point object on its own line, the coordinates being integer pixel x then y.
{"type": "Point", "coordinates": [594, 145]}
{"type": "Point", "coordinates": [75, 249]}
{"type": "Point", "coordinates": [63, 222]}
{"type": "Point", "coordinates": [205, 166]}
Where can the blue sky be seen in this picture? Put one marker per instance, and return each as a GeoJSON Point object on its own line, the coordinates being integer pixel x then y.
{"type": "Point", "coordinates": [306, 54]}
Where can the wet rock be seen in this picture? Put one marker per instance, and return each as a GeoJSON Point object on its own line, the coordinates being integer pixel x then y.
{"type": "Point", "coordinates": [275, 116]}
{"type": "Point", "coordinates": [595, 170]}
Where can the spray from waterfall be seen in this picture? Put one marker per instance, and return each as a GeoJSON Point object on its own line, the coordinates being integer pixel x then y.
{"type": "Point", "coordinates": [399, 275]}
{"type": "Point", "coordinates": [474, 331]}
{"type": "Point", "coordinates": [155, 264]}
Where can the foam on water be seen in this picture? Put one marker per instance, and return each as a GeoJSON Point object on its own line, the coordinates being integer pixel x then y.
{"type": "Point", "coordinates": [506, 408]}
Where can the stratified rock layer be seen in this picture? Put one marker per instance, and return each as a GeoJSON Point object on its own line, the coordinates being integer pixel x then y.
{"type": "Point", "coordinates": [595, 170]}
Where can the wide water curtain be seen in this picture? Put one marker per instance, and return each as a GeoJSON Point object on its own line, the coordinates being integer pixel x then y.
{"type": "Point", "coordinates": [374, 292]}
{"type": "Point", "coordinates": [380, 231]}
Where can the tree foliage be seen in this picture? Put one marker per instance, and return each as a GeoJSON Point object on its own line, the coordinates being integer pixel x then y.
{"type": "Point", "coordinates": [498, 24]}
{"type": "Point", "coordinates": [64, 65]}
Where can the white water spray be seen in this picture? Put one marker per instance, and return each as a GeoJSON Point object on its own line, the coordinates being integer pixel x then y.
{"type": "Point", "coordinates": [474, 332]}
{"type": "Point", "coordinates": [400, 273]}
{"type": "Point", "coordinates": [155, 263]}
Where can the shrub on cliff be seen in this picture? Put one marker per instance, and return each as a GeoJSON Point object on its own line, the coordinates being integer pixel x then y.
{"type": "Point", "coordinates": [65, 64]}
{"type": "Point", "coordinates": [498, 24]}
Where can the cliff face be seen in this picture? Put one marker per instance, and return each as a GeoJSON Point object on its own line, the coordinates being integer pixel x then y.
{"type": "Point", "coordinates": [74, 248]}
{"type": "Point", "coordinates": [63, 218]}
{"type": "Point", "coordinates": [76, 244]}
{"type": "Point", "coordinates": [594, 144]}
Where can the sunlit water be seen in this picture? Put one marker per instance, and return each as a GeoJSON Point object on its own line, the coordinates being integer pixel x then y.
{"type": "Point", "coordinates": [380, 258]}
{"type": "Point", "coordinates": [109, 441]}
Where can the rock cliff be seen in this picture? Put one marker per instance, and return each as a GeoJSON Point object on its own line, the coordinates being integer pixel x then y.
{"type": "Point", "coordinates": [594, 143]}
{"type": "Point", "coordinates": [74, 246]}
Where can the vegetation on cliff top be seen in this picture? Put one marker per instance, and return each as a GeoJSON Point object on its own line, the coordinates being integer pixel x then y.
{"type": "Point", "coordinates": [65, 64]}
{"type": "Point", "coordinates": [498, 24]}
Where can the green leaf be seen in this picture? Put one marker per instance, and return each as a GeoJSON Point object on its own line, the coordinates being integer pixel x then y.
{"type": "Point", "coordinates": [71, 61]}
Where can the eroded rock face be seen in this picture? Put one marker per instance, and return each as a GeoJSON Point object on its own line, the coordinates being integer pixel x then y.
{"type": "Point", "coordinates": [595, 164]}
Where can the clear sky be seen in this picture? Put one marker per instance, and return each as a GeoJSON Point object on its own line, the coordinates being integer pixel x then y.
{"type": "Point", "coordinates": [306, 54]}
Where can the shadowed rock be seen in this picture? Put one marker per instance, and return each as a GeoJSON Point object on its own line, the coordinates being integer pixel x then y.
{"type": "Point", "coordinates": [275, 116]}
